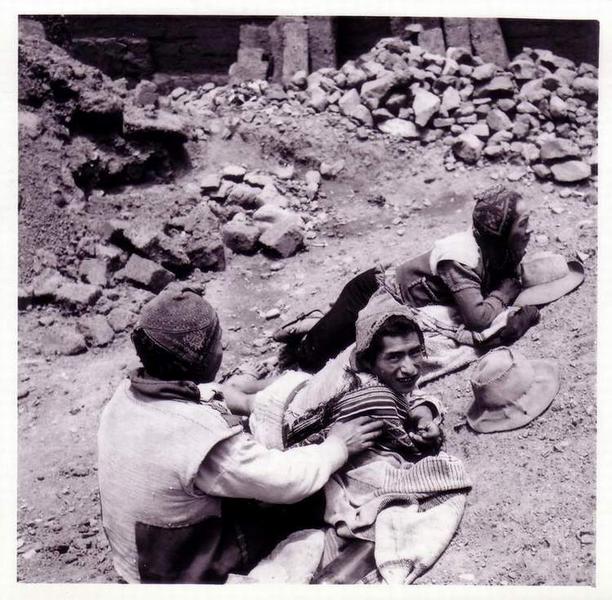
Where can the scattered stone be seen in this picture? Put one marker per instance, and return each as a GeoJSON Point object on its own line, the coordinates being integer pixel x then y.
{"type": "Point", "coordinates": [204, 245]}
{"type": "Point", "coordinates": [233, 173]}
{"type": "Point", "coordinates": [210, 182]}
{"type": "Point", "coordinates": [96, 330]}
{"type": "Point", "coordinates": [120, 319]}
{"type": "Point", "coordinates": [399, 128]}
{"type": "Point", "coordinates": [571, 171]}
{"type": "Point", "coordinates": [245, 195]}
{"type": "Point", "coordinates": [65, 340]}
{"type": "Point", "coordinates": [285, 172]}
{"type": "Point", "coordinates": [313, 181]}
{"type": "Point", "coordinates": [498, 120]}
{"type": "Point", "coordinates": [425, 105]}
{"type": "Point", "coordinates": [468, 148]}
{"type": "Point", "coordinates": [557, 107]}
{"type": "Point", "coordinates": [78, 296]}
{"type": "Point", "coordinates": [318, 99]}
{"type": "Point", "coordinates": [372, 92]}
{"type": "Point", "coordinates": [557, 148]}
{"type": "Point", "coordinates": [240, 235]}
{"type": "Point", "coordinates": [331, 170]}
{"type": "Point", "coordinates": [94, 271]}
{"type": "Point", "coordinates": [451, 100]}
{"type": "Point", "coordinates": [542, 171]}
{"type": "Point", "coordinates": [112, 255]}
{"type": "Point", "coordinates": [515, 174]}
{"type": "Point", "coordinates": [272, 314]}
{"type": "Point", "coordinates": [162, 125]}
{"type": "Point", "coordinates": [480, 130]}
{"type": "Point", "coordinates": [147, 274]}
{"type": "Point", "coordinates": [46, 283]}
{"type": "Point", "coordinates": [586, 87]}
{"type": "Point", "coordinates": [283, 237]}
{"type": "Point", "coordinates": [498, 86]}
{"type": "Point", "coordinates": [145, 93]}
{"type": "Point", "coordinates": [484, 72]}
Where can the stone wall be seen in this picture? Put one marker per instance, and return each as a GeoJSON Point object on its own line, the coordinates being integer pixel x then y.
{"type": "Point", "coordinates": [193, 49]}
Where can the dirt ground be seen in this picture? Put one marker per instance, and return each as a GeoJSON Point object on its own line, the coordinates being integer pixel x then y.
{"type": "Point", "coordinates": [530, 516]}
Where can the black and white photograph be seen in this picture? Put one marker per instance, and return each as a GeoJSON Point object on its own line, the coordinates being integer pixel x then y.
{"type": "Point", "coordinates": [307, 299]}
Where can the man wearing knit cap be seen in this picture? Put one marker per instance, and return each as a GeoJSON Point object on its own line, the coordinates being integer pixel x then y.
{"type": "Point", "coordinates": [187, 495]}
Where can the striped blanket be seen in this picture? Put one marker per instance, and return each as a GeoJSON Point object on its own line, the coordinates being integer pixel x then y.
{"type": "Point", "coordinates": [376, 401]}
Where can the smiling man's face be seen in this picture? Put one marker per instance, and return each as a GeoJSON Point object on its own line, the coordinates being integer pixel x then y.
{"type": "Point", "coordinates": [397, 365]}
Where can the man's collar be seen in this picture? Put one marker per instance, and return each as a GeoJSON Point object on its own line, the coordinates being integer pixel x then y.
{"type": "Point", "coordinates": [150, 388]}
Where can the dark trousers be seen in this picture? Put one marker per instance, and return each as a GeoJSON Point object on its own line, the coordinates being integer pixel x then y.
{"type": "Point", "coordinates": [234, 542]}
{"type": "Point", "coordinates": [336, 330]}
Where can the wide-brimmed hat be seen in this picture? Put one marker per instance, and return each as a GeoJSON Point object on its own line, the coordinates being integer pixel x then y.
{"type": "Point", "coordinates": [510, 390]}
{"type": "Point", "coordinates": [546, 277]}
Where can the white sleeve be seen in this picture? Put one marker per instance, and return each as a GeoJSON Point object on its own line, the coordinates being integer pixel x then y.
{"type": "Point", "coordinates": [240, 467]}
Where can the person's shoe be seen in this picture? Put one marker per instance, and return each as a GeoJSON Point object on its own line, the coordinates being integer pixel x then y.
{"type": "Point", "coordinates": [298, 327]}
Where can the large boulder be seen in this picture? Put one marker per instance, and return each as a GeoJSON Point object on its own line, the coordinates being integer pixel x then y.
{"type": "Point", "coordinates": [77, 296]}
{"type": "Point", "coordinates": [373, 92]}
{"type": "Point", "coordinates": [400, 128]}
{"type": "Point", "coordinates": [425, 105]}
{"type": "Point", "coordinates": [157, 125]}
{"type": "Point", "coordinates": [241, 236]}
{"type": "Point", "coordinates": [147, 274]}
{"type": "Point", "coordinates": [571, 171]}
{"type": "Point", "coordinates": [284, 237]}
{"type": "Point", "coordinates": [451, 100]}
{"type": "Point", "coordinates": [586, 87]}
{"type": "Point", "coordinates": [204, 245]}
{"type": "Point", "coordinates": [558, 148]}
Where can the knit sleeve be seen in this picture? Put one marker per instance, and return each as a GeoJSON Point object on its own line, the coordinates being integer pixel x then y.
{"type": "Point", "coordinates": [477, 311]}
{"type": "Point", "coordinates": [457, 276]}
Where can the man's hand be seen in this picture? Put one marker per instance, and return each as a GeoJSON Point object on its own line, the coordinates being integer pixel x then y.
{"type": "Point", "coordinates": [357, 434]}
{"type": "Point", "coordinates": [427, 434]}
{"type": "Point", "coordinates": [510, 288]}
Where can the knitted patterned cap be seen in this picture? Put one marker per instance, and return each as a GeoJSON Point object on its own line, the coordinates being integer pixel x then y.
{"type": "Point", "coordinates": [182, 322]}
{"type": "Point", "coordinates": [494, 211]}
{"type": "Point", "coordinates": [373, 316]}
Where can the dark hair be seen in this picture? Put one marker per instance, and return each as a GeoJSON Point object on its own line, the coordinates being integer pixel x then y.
{"type": "Point", "coordinates": [395, 325]}
{"type": "Point", "coordinates": [159, 362]}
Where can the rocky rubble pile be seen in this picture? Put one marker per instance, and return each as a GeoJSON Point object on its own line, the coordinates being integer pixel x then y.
{"type": "Point", "coordinates": [245, 211]}
{"type": "Point", "coordinates": [540, 111]}
{"type": "Point", "coordinates": [79, 131]}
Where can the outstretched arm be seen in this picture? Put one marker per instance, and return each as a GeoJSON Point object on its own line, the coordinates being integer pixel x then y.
{"type": "Point", "coordinates": [240, 467]}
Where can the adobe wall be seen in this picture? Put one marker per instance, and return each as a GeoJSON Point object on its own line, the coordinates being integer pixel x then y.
{"type": "Point", "coordinates": [205, 47]}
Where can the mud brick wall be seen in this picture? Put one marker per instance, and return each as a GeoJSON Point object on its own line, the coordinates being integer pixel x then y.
{"type": "Point", "coordinates": [576, 40]}
{"type": "Point", "coordinates": [137, 47]}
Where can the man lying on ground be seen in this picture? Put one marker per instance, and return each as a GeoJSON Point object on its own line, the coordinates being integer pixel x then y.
{"type": "Point", "coordinates": [404, 466]}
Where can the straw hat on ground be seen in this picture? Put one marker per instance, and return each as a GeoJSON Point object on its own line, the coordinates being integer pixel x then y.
{"type": "Point", "coordinates": [510, 390]}
{"type": "Point", "coordinates": [546, 277]}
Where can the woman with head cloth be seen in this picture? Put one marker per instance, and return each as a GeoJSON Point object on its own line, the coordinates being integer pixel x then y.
{"type": "Point", "coordinates": [474, 270]}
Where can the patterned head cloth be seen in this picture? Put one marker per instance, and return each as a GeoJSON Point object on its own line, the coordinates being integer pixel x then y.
{"type": "Point", "coordinates": [494, 212]}
{"type": "Point", "coordinates": [183, 323]}
{"type": "Point", "coordinates": [373, 316]}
